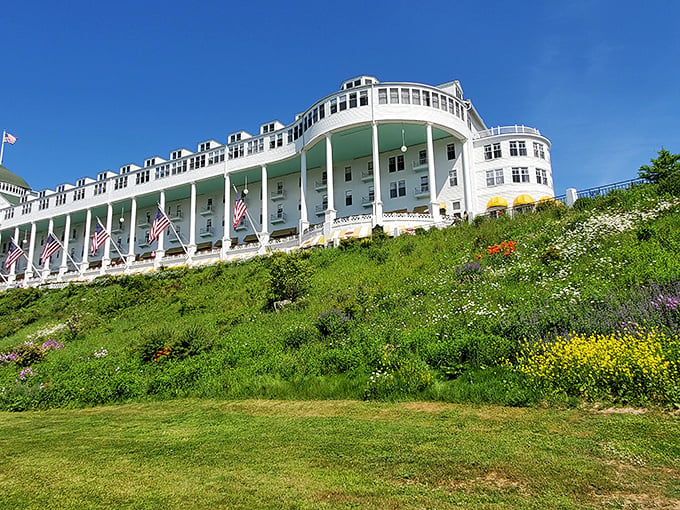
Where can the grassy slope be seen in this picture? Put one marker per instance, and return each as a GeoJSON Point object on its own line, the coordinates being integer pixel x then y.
{"type": "Point", "coordinates": [336, 454]}
{"type": "Point", "coordinates": [416, 310]}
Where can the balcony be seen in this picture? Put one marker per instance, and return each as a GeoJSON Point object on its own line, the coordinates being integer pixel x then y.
{"type": "Point", "coordinates": [321, 185]}
{"type": "Point", "coordinates": [279, 217]}
{"type": "Point", "coordinates": [144, 223]}
{"type": "Point", "coordinates": [422, 191]}
{"type": "Point", "coordinates": [367, 176]}
{"type": "Point", "coordinates": [420, 165]}
{"type": "Point", "coordinates": [206, 211]}
{"type": "Point", "coordinates": [367, 201]}
{"type": "Point", "coordinates": [279, 194]}
{"type": "Point", "coordinates": [320, 209]}
{"type": "Point", "coordinates": [206, 232]}
{"type": "Point", "coordinates": [176, 216]}
{"type": "Point", "coordinates": [241, 226]}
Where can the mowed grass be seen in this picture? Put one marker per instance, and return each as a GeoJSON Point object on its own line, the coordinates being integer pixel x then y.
{"type": "Point", "coordinates": [337, 454]}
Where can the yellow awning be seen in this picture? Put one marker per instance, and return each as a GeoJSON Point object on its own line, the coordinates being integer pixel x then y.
{"type": "Point", "coordinates": [546, 199]}
{"type": "Point", "coordinates": [523, 200]}
{"type": "Point", "coordinates": [496, 202]}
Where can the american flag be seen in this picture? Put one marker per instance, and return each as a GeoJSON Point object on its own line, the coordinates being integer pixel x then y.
{"type": "Point", "coordinates": [51, 247]}
{"type": "Point", "coordinates": [239, 210]}
{"type": "Point", "coordinates": [160, 223]}
{"type": "Point", "coordinates": [99, 238]}
{"type": "Point", "coordinates": [13, 254]}
{"type": "Point", "coordinates": [9, 138]}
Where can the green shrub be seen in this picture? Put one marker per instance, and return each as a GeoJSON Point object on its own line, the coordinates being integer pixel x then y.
{"type": "Point", "coordinates": [28, 354]}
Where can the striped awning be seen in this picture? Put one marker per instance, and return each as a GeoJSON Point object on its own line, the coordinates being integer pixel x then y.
{"type": "Point", "coordinates": [346, 233]}
{"type": "Point", "coordinates": [313, 241]}
{"type": "Point", "coordinates": [523, 199]}
{"type": "Point", "coordinates": [496, 202]}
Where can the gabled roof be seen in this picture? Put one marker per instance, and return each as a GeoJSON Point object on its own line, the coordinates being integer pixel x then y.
{"type": "Point", "coordinates": [11, 178]}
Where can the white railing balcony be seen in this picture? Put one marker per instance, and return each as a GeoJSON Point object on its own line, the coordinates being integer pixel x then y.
{"type": "Point", "coordinates": [420, 165]}
{"type": "Point", "coordinates": [422, 191]}
{"type": "Point", "coordinates": [367, 175]}
{"type": "Point", "coordinates": [144, 223]}
{"type": "Point", "coordinates": [320, 209]}
{"type": "Point", "coordinates": [206, 232]}
{"type": "Point", "coordinates": [279, 194]}
{"type": "Point", "coordinates": [367, 201]}
{"type": "Point", "coordinates": [506, 130]}
{"type": "Point", "coordinates": [176, 216]}
{"type": "Point", "coordinates": [241, 226]}
{"type": "Point", "coordinates": [321, 185]}
{"type": "Point", "coordinates": [279, 217]}
{"type": "Point", "coordinates": [206, 211]}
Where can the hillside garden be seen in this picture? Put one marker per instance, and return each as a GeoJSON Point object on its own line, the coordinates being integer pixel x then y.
{"type": "Point", "coordinates": [557, 306]}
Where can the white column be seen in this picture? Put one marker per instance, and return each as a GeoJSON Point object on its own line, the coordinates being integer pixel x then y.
{"type": "Point", "coordinates": [377, 195]}
{"type": "Point", "coordinates": [46, 263]}
{"type": "Point", "coordinates": [264, 235]}
{"type": "Point", "coordinates": [434, 206]}
{"type": "Point", "coordinates": [160, 250]}
{"type": "Point", "coordinates": [330, 209]}
{"type": "Point", "coordinates": [304, 221]}
{"type": "Point", "coordinates": [192, 221]}
{"type": "Point", "coordinates": [106, 258]}
{"type": "Point", "coordinates": [226, 237]}
{"type": "Point", "coordinates": [86, 241]}
{"type": "Point", "coordinates": [468, 180]}
{"type": "Point", "coordinates": [31, 253]}
{"type": "Point", "coordinates": [133, 231]}
{"type": "Point", "coordinates": [63, 268]}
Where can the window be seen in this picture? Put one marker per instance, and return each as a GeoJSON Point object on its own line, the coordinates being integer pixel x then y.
{"type": "Point", "coordinates": [415, 95]}
{"type": "Point", "coordinates": [520, 175]}
{"type": "Point", "coordinates": [435, 100]}
{"type": "Point", "coordinates": [343, 103]}
{"type": "Point", "coordinates": [541, 176]}
{"type": "Point", "coordinates": [538, 150]}
{"type": "Point", "coordinates": [518, 148]}
{"type": "Point", "coordinates": [322, 111]}
{"type": "Point", "coordinates": [453, 177]}
{"type": "Point", "coordinates": [348, 173]}
{"type": "Point", "coordinates": [395, 163]}
{"type": "Point", "coordinates": [422, 157]}
{"type": "Point", "coordinates": [398, 189]}
{"type": "Point", "coordinates": [334, 105]}
{"type": "Point", "coordinates": [60, 199]}
{"type": "Point", "coordinates": [494, 177]}
{"type": "Point", "coordinates": [426, 98]}
{"type": "Point", "coordinates": [405, 96]}
{"type": "Point", "coordinates": [487, 152]}
{"type": "Point", "coordinates": [142, 177]}
{"type": "Point", "coordinates": [352, 99]}
{"type": "Point", "coordinates": [451, 151]}
{"type": "Point", "coordinates": [348, 197]}
{"type": "Point", "coordinates": [363, 98]}
{"type": "Point", "coordinates": [497, 150]}
{"type": "Point", "coordinates": [394, 96]}
{"type": "Point", "coordinates": [424, 183]}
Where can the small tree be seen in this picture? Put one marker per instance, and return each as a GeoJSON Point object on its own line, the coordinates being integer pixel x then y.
{"type": "Point", "coordinates": [665, 171]}
{"type": "Point", "coordinates": [288, 277]}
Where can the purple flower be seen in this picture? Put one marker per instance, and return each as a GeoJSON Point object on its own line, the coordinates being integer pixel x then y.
{"type": "Point", "coordinates": [25, 374]}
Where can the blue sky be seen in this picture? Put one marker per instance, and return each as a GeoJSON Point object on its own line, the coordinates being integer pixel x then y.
{"type": "Point", "coordinates": [90, 86]}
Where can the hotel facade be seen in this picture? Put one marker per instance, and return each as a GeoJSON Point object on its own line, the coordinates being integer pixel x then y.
{"type": "Point", "coordinates": [396, 155]}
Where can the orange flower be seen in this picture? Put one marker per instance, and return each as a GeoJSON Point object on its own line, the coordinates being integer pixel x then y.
{"type": "Point", "coordinates": [479, 256]}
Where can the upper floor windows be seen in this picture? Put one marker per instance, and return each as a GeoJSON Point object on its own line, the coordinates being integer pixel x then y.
{"type": "Point", "coordinates": [541, 176]}
{"type": "Point", "coordinates": [518, 148]}
{"type": "Point", "coordinates": [451, 151]}
{"type": "Point", "coordinates": [494, 177]}
{"type": "Point", "coordinates": [395, 163]}
{"type": "Point", "coordinates": [520, 175]}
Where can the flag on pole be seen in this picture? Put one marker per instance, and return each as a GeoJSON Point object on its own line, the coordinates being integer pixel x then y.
{"type": "Point", "coordinates": [239, 210]}
{"type": "Point", "coordinates": [99, 238]}
{"type": "Point", "coordinates": [160, 223]}
{"type": "Point", "coordinates": [13, 254]}
{"type": "Point", "coordinates": [10, 138]}
{"type": "Point", "coordinates": [51, 247]}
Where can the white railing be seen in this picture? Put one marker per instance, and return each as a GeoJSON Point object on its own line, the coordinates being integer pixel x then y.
{"type": "Point", "coordinates": [506, 130]}
{"type": "Point", "coordinates": [356, 219]}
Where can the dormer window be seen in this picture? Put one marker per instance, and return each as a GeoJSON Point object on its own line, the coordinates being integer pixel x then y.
{"type": "Point", "coordinates": [80, 182]}
{"type": "Point", "coordinates": [41, 194]}
{"type": "Point", "coordinates": [125, 169]}
{"type": "Point", "coordinates": [61, 188]}
{"type": "Point", "coordinates": [150, 162]}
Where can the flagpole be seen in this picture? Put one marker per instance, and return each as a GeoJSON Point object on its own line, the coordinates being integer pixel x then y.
{"type": "Point", "coordinates": [27, 259]}
{"type": "Point", "coordinates": [115, 245]}
{"type": "Point", "coordinates": [2, 147]}
{"type": "Point", "coordinates": [80, 272]}
{"type": "Point", "coordinates": [252, 223]}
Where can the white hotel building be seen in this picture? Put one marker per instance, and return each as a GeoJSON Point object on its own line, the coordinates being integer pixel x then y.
{"type": "Point", "coordinates": [398, 155]}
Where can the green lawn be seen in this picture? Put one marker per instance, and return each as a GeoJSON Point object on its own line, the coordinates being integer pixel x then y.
{"type": "Point", "coordinates": [337, 454]}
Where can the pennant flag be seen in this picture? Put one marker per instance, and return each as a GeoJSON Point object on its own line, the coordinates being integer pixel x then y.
{"type": "Point", "coordinates": [99, 238]}
{"type": "Point", "coordinates": [239, 210]}
{"type": "Point", "coordinates": [160, 223]}
{"type": "Point", "coordinates": [13, 254]}
{"type": "Point", "coordinates": [51, 247]}
{"type": "Point", "coordinates": [10, 139]}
